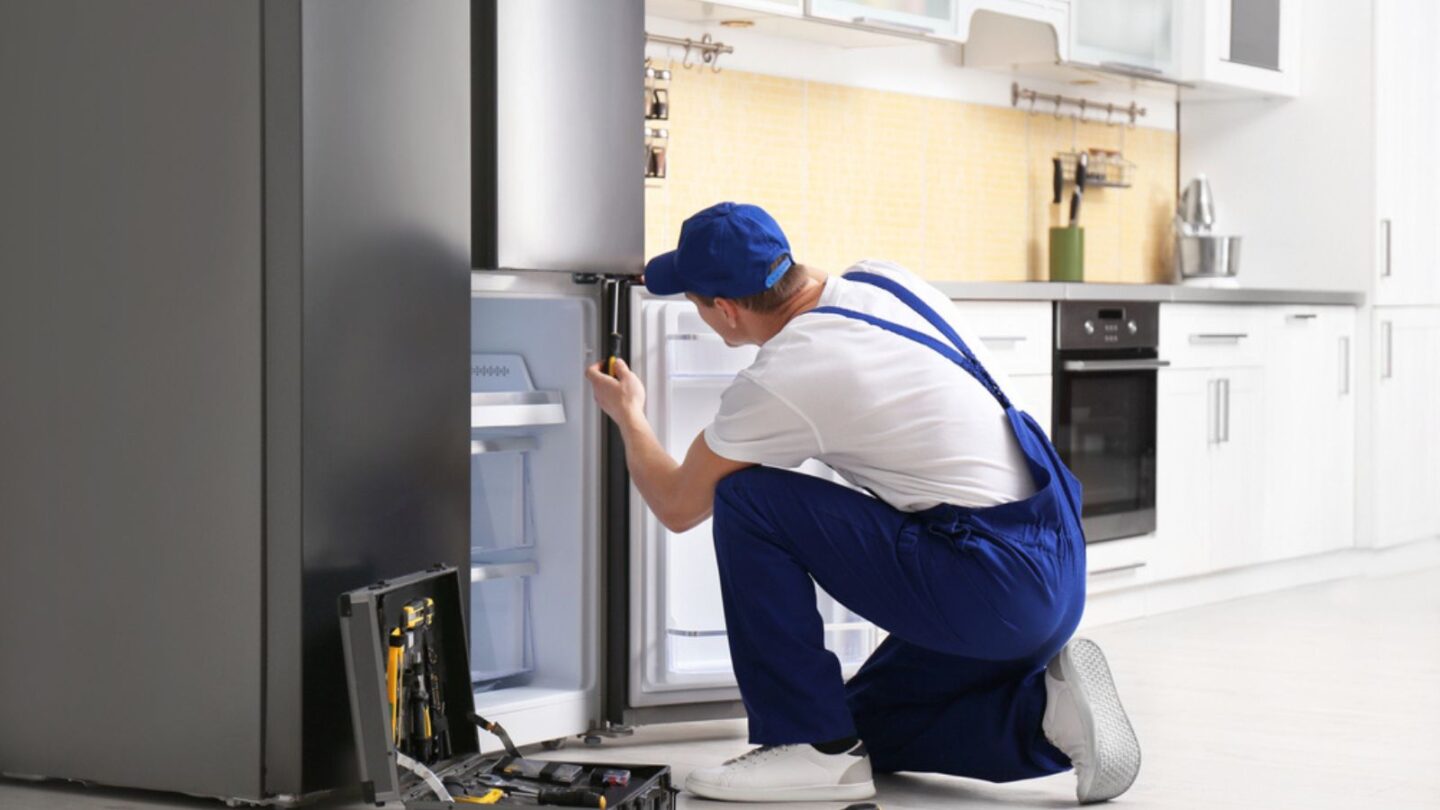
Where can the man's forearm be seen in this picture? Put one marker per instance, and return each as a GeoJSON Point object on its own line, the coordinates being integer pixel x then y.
{"type": "Point", "coordinates": [652, 469]}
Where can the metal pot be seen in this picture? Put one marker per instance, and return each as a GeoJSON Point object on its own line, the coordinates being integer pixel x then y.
{"type": "Point", "coordinates": [1206, 256]}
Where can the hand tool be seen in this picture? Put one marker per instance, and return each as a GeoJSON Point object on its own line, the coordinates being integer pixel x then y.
{"type": "Point", "coordinates": [490, 797]}
{"type": "Point", "coordinates": [616, 288]}
{"type": "Point", "coordinates": [556, 797]}
{"type": "Point", "coordinates": [396, 652]}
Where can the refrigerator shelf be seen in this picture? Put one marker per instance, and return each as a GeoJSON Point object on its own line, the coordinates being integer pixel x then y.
{"type": "Point", "coordinates": [482, 573]}
{"type": "Point", "coordinates": [508, 444]}
{"type": "Point", "coordinates": [493, 409]}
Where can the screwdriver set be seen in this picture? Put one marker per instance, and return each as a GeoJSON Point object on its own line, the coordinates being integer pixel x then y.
{"type": "Point", "coordinates": [416, 730]}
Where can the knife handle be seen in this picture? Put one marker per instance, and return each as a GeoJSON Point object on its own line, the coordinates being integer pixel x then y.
{"type": "Point", "coordinates": [1059, 180]}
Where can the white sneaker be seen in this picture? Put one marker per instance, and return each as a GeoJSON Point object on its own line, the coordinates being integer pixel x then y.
{"type": "Point", "coordinates": [1084, 718]}
{"type": "Point", "coordinates": [787, 773]}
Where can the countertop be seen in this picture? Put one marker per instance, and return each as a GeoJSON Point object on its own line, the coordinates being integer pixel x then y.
{"type": "Point", "coordinates": [1055, 291]}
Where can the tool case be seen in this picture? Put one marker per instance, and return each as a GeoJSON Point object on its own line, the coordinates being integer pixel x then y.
{"type": "Point", "coordinates": [408, 671]}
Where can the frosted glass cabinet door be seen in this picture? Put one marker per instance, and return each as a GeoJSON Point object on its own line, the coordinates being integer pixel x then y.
{"type": "Point", "coordinates": [1138, 35]}
{"type": "Point", "coordinates": [935, 17]}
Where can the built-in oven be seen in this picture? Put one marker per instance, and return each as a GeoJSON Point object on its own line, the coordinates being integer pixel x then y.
{"type": "Point", "coordinates": [1106, 362]}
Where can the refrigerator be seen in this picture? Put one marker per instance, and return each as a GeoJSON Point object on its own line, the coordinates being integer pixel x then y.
{"type": "Point", "coordinates": [587, 616]}
{"type": "Point", "coordinates": [246, 309]}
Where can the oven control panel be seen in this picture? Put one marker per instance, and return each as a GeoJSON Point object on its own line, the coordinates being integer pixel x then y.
{"type": "Point", "coordinates": [1107, 325]}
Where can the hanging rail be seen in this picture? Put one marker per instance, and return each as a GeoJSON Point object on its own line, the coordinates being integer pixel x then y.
{"type": "Point", "coordinates": [709, 49]}
{"type": "Point", "coordinates": [1082, 105]}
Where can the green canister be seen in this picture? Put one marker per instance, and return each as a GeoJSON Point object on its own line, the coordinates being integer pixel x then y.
{"type": "Point", "coordinates": [1067, 254]}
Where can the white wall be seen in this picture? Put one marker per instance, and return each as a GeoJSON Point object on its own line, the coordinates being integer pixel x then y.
{"type": "Point", "coordinates": [1296, 178]}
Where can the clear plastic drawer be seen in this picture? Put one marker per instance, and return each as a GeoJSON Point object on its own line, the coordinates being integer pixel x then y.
{"type": "Point", "coordinates": [501, 496]}
{"type": "Point", "coordinates": [502, 643]}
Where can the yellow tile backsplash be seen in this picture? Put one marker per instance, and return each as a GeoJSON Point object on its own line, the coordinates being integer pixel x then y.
{"type": "Point", "coordinates": [951, 190]}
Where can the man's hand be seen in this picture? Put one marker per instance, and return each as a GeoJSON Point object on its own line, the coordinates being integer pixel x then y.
{"type": "Point", "coordinates": [681, 495]}
{"type": "Point", "coordinates": [621, 397]}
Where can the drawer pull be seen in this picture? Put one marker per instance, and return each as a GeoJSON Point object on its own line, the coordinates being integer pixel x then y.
{"type": "Point", "coordinates": [1009, 340]}
{"type": "Point", "coordinates": [1218, 338]}
{"type": "Point", "coordinates": [1117, 569]}
{"type": "Point", "coordinates": [1303, 316]}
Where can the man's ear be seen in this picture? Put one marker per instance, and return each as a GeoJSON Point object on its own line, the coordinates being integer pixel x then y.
{"type": "Point", "coordinates": [729, 310]}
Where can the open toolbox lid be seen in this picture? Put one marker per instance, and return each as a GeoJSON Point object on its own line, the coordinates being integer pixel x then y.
{"type": "Point", "coordinates": [366, 617]}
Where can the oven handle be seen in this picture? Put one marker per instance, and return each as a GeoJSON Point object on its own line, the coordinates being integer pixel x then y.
{"type": "Point", "coordinates": [1113, 365]}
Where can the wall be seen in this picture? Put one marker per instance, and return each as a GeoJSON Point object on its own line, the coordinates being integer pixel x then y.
{"type": "Point", "coordinates": [1296, 178]}
{"type": "Point", "coordinates": [951, 189]}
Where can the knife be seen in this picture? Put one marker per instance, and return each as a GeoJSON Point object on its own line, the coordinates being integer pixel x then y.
{"type": "Point", "coordinates": [1081, 163]}
{"type": "Point", "coordinates": [1059, 180]}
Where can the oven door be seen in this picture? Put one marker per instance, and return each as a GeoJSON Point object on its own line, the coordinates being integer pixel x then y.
{"type": "Point", "coordinates": [1105, 432]}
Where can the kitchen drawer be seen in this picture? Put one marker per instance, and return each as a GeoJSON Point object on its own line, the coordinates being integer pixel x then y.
{"type": "Point", "coordinates": [1016, 335]}
{"type": "Point", "coordinates": [1213, 336]}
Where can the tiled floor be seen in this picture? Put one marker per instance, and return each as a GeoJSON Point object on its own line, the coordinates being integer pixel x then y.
{"type": "Point", "coordinates": [1321, 697]}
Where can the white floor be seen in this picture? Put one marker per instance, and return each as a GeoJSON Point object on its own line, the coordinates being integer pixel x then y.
{"type": "Point", "coordinates": [1321, 697]}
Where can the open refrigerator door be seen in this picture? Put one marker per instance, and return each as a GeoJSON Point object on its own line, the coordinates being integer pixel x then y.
{"type": "Point", "coordinates": [678, 651]}
{"type": "Point", "coordinates": [535, 504]}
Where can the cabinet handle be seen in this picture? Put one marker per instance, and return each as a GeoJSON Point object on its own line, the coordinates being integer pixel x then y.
{"type": "Point", "coordinates": [1212, 411]}
{"type": "Point", "coordinates": [1218, 337]}
{"type": "Point", "coordinates": [1345, 366]}
{"type": "Point", "coordinates": [1006, 339]}
{"type": "Point", "coordinates": [903, 28]}
{"type": "Point", "coordinates": [1387, 345]}
{"type": "Point", "coordinates": [1116, 569]}
{"type": "Point", "coordinates": [1303, 316]}
{"type": "Point", "coordinates": [1225, 414]}
{"type": "Point", "coordinates": [1386, 269]}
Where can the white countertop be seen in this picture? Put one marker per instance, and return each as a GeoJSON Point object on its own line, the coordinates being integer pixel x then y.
{"type": "Point", "coordinates": [1056, 291]}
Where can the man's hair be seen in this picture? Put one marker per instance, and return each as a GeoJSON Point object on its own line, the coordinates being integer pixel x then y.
{"type": "Point", "coordinates": [770, 300]}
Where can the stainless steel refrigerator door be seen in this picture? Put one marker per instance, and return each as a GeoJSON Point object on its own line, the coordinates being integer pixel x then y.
{"type": "Point", "coordinates": [559, 162]}
{"type": "Point", "coordinates": [677, 643]}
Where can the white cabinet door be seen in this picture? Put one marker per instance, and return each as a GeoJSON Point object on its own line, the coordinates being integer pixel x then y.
{"type": "Point", "coordinates": [1209, 468]}
{"type": "Point", "coordinates": [1033, 393]}
{"type": "Point", "coordinates": [1407, 131]}
{"type": "Point", "coordinates": [1243, 48]}
{"type": "Point", "coordinates": [1406, 424]}
{"type": "Point", "coordinates": [1184, 431]}
{"type": "Point", "coordinates": [1237, 469]}
{"type": "Point", "coordinates": [1309, 435]}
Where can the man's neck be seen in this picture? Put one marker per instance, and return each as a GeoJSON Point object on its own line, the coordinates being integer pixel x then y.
{"type": "Point", "coordinates": [806, 299]}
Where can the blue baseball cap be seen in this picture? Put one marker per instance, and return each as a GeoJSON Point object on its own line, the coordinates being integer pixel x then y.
{"type": "Point", "coordinates": [729, 250]}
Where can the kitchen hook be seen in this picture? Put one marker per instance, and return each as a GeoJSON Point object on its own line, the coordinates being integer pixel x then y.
{"type": "Point", "coordinates": [685, 63]}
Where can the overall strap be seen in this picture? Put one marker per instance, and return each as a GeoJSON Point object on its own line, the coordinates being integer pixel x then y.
{"type": "Point", "coordinates": [959, 353]}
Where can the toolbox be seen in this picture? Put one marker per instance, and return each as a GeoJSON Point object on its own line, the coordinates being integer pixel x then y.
{"type": "Point", "coordinates": [416, 732]}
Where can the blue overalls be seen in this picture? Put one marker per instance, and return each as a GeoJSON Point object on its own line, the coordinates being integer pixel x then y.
{"type": "Point", "coordinates": [976, 602]}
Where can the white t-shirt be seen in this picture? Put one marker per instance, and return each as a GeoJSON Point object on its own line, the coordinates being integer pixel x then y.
{"type": "Point", "coordinates": [886, 413]}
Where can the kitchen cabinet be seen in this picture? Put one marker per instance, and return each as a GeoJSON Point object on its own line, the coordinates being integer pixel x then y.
{"type": "Point", "coordinates": [1406, 428]}
{"type": "Point", "coordinates": [1246, 48]}
{"type": "Point", "coordinates": [1309, 436]}
{"type": "Point", "coordinates": [1015, 339]}
{"type": "Point", "coordinates": [1127, 36]}
{"type": "Point", "coordinates": [1210, 467]}
{"type": "Point", "coordinates": [926, 17]}
{"type": "Point", "coordinates": [1407, 132]}
{"type": "Point", "coordinates": [1054, 13]}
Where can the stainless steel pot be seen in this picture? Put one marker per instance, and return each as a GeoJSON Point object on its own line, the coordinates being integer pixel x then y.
{"type": "Point", "coordinates": [1206, 256]}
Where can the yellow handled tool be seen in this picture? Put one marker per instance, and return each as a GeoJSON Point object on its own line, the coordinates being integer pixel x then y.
{"type": "Point", "coordinates": [392, 680]}
{"type": "Point", "coordinates": [492, 796]}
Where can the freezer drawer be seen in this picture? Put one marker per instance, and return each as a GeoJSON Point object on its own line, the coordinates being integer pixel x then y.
{"type": "Point", "coordinates": [678, 649]}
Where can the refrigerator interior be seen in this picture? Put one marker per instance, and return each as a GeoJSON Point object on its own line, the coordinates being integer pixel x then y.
{"type": "Point", "coordinates": [534, 497]}
{"type": "Point", "coordinates": [679, 649]}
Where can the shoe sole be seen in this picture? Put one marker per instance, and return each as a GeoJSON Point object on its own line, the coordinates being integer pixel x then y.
{"type": "Point", "coordinates": [1112, 738]}
{"type": "Point", "coordinates": [816, 793]}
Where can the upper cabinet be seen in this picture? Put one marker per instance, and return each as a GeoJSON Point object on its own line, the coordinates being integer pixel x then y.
{"type": "Point", "coordinates": [1241, 47]}
{"type": "Point", "coordinates": [924, 17]}
{"type": "Point", "coordinates": [1214, 48]}
{"type": "Point", "coordinates": [1137, 37]}
{"type": "Point", "coordinates": [1407, 132]}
